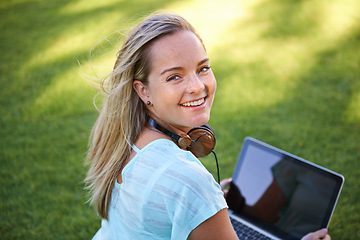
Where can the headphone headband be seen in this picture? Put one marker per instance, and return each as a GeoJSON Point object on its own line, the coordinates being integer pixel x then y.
{"type": "Point", "coordinates": [163, 130]}
{"type": "Point", "coordinates": [200, 140]}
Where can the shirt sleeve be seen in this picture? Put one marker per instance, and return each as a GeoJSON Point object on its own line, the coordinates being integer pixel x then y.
{"type": "Point", "coordinates": [190, 195]}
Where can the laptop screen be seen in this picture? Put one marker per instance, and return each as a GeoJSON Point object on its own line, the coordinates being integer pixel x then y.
{"type": "Point", "coordinates": [285, 194]}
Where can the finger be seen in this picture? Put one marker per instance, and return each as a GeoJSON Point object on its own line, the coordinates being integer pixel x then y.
{"type": "Point", "coordinates": [320, 234]}
{"type": "Point", "coordinates": [327, 237]}
{"type": "Point", "coordinates": [225, 182]}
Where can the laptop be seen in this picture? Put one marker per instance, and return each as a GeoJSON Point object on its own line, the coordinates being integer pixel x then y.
{"type": "Point", "coordinates": [277, 195]}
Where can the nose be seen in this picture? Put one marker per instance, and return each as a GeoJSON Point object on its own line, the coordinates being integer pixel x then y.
{"type": "Point", "coordinates": [195, 84]}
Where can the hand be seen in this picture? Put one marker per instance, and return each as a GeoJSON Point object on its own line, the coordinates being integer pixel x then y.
{"type": "Point", "coordinates": [320, 234]}
{"type": "Point", "coordinates": [223, 184]}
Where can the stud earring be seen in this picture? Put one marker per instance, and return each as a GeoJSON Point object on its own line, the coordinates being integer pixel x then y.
{"type": "Point", "coordinates": [148, 103]}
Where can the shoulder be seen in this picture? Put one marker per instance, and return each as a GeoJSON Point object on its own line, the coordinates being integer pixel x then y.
{"type": "Point", "coordinates": [179, 172]}
{"type": "Point", "coordinates": [161, 159]}
{"type": "Point", "coordinates": [164, 169]}
{"type": "Point", "coordinates": [176, 162]}
{"type": "Point", "coordinates": [175, 186]}
{"type": "Point", "coordinates": [165, 153]}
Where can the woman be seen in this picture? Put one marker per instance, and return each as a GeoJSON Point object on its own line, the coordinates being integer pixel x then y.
{"type": "Point", "coordinates": [143, 185]}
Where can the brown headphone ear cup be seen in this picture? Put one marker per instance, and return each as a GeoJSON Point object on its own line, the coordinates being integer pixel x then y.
{"type": "Point", "coordinates": [184, 141]}
{"type": "Point", "coordinates": [202, 141]}
{"type": "Point", "coordinates": [207, 127]}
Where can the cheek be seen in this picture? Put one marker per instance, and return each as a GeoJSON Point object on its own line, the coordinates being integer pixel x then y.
{"type": "Point", "coordinates": [166, 97]}
{"type": "Point", "coordinates": [212, 85]}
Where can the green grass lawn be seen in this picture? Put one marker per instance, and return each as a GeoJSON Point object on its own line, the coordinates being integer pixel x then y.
{"type": "Point", "coordinates": [288, 74]}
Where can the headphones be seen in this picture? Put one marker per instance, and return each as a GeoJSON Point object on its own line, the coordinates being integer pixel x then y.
{"type": "Point", "coordinates": [199, 140]}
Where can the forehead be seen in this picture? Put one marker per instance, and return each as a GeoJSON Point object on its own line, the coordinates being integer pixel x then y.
{"type": "Point", "coordinates": [177, 49]}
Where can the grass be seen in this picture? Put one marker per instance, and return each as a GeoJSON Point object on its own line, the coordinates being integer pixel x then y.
{"type": "Point", "coordinates": [288, 74]}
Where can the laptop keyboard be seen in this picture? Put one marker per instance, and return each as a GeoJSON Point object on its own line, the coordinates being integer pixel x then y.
{"type": "Point", "coordinates": [244, 232]}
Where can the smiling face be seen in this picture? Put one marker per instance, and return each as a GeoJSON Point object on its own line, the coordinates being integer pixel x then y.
{"type": "Point", "coordinates": [181, 85]}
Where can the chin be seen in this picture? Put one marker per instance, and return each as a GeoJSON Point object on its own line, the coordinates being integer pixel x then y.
{"type": "Point", "coordinates": [200, 121]}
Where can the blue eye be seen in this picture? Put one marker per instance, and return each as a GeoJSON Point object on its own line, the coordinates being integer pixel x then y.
{"type": "Point", "coordinates": [173, 77]}
{"type": "Point", "coordinates": [204, 69]}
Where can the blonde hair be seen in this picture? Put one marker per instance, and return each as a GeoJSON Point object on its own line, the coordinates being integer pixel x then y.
{"type": "Point", "coordinates": [124, 115]}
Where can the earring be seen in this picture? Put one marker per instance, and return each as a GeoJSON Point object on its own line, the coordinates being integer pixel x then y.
{"type": "Point", "coordinates": [148, 103]}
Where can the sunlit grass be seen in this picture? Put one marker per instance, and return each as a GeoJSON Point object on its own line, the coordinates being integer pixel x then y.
{"type": "Point", "coordinates": [211, 18]}
{"type": "Point", "coordinates": [81, 7]}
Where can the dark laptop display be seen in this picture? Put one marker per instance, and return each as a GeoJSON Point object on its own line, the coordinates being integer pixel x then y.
{"type": "Point", "coordinates": [282, 193]}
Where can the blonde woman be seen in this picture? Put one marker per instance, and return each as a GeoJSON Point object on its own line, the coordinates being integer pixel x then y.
{"type": "Point", "coordinates": [143, 185]}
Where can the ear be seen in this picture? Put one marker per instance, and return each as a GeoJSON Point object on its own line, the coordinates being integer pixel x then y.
{"type": "Point", "coordinates": [141, 90]}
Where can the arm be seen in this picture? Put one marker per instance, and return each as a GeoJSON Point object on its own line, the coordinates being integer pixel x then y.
{"type": "Point", "coordinates": [216, 227]}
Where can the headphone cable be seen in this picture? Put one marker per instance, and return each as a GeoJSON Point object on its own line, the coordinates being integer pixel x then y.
{"type": "Point", "coordinates": [217, 166]}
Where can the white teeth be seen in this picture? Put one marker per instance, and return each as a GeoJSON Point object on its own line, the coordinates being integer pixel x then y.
{"type": "Point", "coordinates": [194, 103]}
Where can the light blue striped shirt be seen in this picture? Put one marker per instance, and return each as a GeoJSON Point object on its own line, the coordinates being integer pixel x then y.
{"type": "Point", "coordinates": [165, 194]}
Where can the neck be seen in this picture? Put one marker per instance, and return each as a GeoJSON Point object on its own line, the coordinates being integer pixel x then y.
{"type": "Point", "coordinates": [168, 127]}
{"type": "Point", "coordinates": [157, 127]}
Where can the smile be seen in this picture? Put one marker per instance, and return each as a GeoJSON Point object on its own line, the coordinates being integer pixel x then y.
{"type": "Point", "coordinates": [194, 103]}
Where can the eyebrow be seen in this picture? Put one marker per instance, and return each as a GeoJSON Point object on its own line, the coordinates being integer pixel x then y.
{"type": "Point", "coordinates": [180, 68]}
